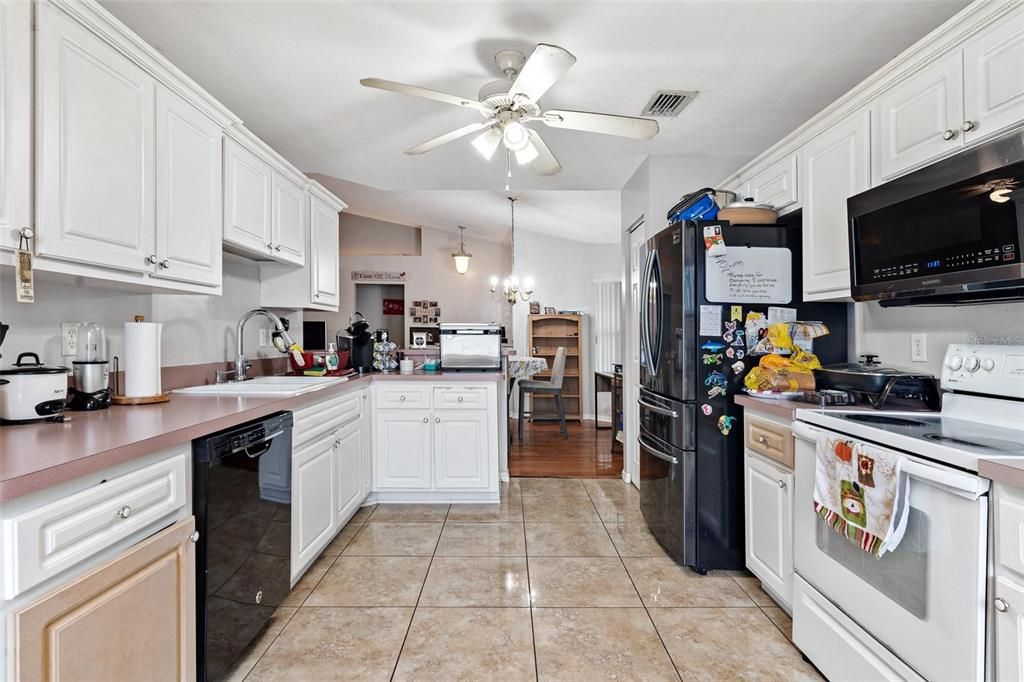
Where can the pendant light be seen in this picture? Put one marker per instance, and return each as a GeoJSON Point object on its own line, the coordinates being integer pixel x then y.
{"type": "Point", "coordinates": [461, 257]}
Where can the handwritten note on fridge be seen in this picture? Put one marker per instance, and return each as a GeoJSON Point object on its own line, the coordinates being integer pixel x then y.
{"type": "Point", "coordinates": [750, 275]}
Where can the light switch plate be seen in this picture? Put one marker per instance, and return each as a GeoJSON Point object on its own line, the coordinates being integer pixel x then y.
{"type": "Point", "coordinates": [68, 339]}
{"type": "Point", "coordinates": [919, 347]}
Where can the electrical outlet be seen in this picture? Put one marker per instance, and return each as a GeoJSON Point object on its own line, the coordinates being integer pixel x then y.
{"type": "Point", "coordinates": [919, 347]}
{"type": "Point", "coordinates": [264, 338]}
{"type": "Point", "coordinates": [68, 338]}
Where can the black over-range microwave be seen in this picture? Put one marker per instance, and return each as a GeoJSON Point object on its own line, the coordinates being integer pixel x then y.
{"type": "Point", "coordinates": [950, 233]}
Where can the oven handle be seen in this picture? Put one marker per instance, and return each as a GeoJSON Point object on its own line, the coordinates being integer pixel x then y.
{"type": "Point", "coordinates": [657, 453]}
{"type": "Point", "coordinates": [658, 408]}
{"type": "Point", "coordinates": [965, 485]}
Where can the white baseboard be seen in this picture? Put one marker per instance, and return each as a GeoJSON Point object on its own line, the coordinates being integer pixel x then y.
{"type": "Point", "coordinates": [505, 477]}
{"type": "Point", "coordinates": [625, 476]}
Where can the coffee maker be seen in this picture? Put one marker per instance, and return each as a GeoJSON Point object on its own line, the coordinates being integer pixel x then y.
{"type": "Point", "coordinates": [90, 370]}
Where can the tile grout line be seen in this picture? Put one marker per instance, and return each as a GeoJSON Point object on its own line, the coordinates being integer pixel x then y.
{"type": "Point", "coordinates": [529, 588]}
{"type": "Point", "coordinates": [412, 616]}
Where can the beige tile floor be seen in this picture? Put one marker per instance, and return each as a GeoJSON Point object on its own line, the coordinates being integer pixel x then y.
{"type": "Point", "coordinates": [560, 581]}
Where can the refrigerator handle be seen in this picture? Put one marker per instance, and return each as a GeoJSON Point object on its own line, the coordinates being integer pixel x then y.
{"type": "Point", "coordinates": [645, 341]}
{"type": "Point", "coordinates": [659, 317]}
{"type": "Point", "coordinates": [657, 453]}
{"type": "Point", "coordinates": [658, 408]}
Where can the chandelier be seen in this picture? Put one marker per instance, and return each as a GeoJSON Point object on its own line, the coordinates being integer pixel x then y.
{"type": "Point", "coordinates": [511, 289]}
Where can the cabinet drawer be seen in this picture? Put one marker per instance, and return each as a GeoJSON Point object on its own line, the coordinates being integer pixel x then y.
{"type": "Point", "coordinates": [46, 540]}
{"type": "Point", "coordinates": [461, 398]}
{"type": "Point", "coordinates": [773, 441]}
{"type": "Point", "coordinates": [310, 422]}
{"type": "Point", "coordinates": [402, 396]}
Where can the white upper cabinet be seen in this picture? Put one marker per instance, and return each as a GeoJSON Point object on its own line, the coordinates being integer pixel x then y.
{"type": "Point", "coordinates": [290, 219]}
{"type": "Point", "coordinates": [248, 191]}
{"type": "Point", "coordinates": [920, 118]}
{"type": "Point", "coordinates": [777, 185]}
{"type": "Point", "coordinates": [189, 214]}
{"type": "Point", "coordinates": [15, 119]}
{"type": "Point", "coordinates": [994, 78]}
{"type": "Point", "coordinates": [324, 235]}
{"type": "Point", "coordinates": [94, 168]}
{"type": "Point", "coordinates": [834, 166]}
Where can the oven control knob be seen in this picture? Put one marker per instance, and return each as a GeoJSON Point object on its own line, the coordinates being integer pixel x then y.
{"type": "Point", "coordinates": [972, 364]}
{"type": "Point", "coordinates": [988, 364]}
{"type": "Point", "coordinates": [955, 362]}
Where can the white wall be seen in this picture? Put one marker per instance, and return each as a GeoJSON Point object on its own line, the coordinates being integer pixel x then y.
{"type": "Point", "coordinates": [370, 302]}
{"type": "Point", "coordinates": [197, 329]}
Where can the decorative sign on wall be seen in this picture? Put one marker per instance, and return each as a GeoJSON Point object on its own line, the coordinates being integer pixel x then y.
{"type": "Point", "coordinates": [750, 275]}
{"type": "Point", "coordinates": [425, 312]}
{"type": "Point", "coordinates": [378, 276]}
{"type": "Point", "coordinates": [394, 306]}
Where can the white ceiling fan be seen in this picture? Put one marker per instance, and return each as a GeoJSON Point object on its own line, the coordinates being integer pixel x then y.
{"type": "Point", "coordinates": [508, 104]}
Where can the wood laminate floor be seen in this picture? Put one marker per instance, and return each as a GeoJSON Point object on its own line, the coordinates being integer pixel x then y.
{"type": "Point", "coordinates": [543, 452]}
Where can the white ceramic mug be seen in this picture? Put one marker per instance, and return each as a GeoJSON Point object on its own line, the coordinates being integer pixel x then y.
{"type": "Point", "coordinates": [405, 366]}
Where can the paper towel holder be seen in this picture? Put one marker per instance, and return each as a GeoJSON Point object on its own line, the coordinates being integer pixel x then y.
{"type": "Point", "coordinates": [118, 399]}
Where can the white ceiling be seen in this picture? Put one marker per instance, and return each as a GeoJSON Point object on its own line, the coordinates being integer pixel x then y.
{"type": "Point", "coordinates": [290, 69]}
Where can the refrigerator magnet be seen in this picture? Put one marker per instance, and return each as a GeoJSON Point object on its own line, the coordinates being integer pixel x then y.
{"type": "Point", "coordinates": [738, 367]}
{"type": "Point", "coordinates": [712, 346]}
{"type": "Point", "coordinates": [712, 358]}
{"type": "Point", "coordinates": [739, 341]}
{"type": "Point", "coordinates": [736, 313]}
{"type": "Point", "coordinates": [730, 331]}
{"type": "Point", "coordinates": [714, 244]}
{"type": "Point", "coordinates": [716, 378]}
{"type": "Point", "coordinates": [730, 352]}
{"type": "Point", "coordinates": [715, 391]}
{"type": "Point", "coordinates": [706, 409]}
{"type": "Point", "coordinates": [725, 423]}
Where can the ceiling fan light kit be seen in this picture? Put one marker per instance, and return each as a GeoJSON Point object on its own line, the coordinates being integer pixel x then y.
{"type": "Point", "coordinates": [509, 104]}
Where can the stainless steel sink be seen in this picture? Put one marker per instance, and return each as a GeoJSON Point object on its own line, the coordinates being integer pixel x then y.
{"type": "Point", "coordinates": [271, 386]}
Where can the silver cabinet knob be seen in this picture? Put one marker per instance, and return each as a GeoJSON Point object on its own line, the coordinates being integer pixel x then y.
{"type": "Point", "coordinates": [1001, 605]}
{"type": "Point", "coordinates": [782, 484]}
{"type": "Point", "coordinates": [124, 512]}
{"type": "Point", "coordinates": [762, 440]}
{"type": "Point", "coordinates": [194, 537]}
{"type": "Point", "coordinates": [425, 420]}
{"type": "Point", "coordinates": [437, 420]}
{"type": "Point", "coordinates": [968, 126]}
{"type": "Point", "coordinates": [165, 264]}
{"type": "Point", "coordinates": [949, 134]}
{"type": "Point", "coordinates": [277, 247]}
{"type": "Point", "coordinates": [401, 398]}
{"type": "Point", "coordinates": [270, 246]}
{"type": "Point", "coordinates": [151, 259]}
{"type": "Point", "coordinates": [460, 398]}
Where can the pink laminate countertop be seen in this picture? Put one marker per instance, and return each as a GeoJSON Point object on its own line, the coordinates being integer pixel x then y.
{"type": "Point", "coordinates": [37, 456]}
{"type": "Point", "coordinates": [1006, 470]}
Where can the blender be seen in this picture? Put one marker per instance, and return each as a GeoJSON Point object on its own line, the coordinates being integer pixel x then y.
{"type": "Point", "coordinates": [90, 370]}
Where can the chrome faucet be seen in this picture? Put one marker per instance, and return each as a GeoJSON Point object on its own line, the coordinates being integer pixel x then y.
{"type": "Point", "coordinates": [241, 364]}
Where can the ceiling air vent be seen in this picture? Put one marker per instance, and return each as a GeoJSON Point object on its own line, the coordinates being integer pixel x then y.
{"type": "Point", "coordinates": [668, 103]}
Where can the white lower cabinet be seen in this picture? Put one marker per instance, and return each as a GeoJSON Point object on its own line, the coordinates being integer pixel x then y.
{"type": "Point", "coordinates": [313, 508]}
{"type": "Point", "coordinates": [1006, 604]}
{"type": "Point", "coordinates": [348, 471]}
{"type": "Point", "coordinates": [769, 525]}
{"type": "Point", "coordinates": [460, 449]}
{"type": "Point", "coordinates": [403, 452]}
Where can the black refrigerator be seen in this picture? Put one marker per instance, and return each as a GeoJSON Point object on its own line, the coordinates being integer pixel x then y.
{"type": "Point", "coordinates": [694, 356]}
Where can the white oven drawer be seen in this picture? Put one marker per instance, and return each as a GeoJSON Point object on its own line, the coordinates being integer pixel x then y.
{"type": "Point", "coordinates": [41, 542]}
{"type": "Point", "coordinates": [460, 398]}
{"type": "Point", "coordinates": [402, 395]}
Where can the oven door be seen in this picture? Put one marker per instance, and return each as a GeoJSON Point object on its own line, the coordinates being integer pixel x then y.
{"type": "Point", "coordinates": [925, 601]}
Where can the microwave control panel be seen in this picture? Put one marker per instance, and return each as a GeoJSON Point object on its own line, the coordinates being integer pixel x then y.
{"type": "Point", "coordinates": [967, 260]}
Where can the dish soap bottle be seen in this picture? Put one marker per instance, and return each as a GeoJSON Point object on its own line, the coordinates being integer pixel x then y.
{"type": "Point", "coordinates": [333, 361]}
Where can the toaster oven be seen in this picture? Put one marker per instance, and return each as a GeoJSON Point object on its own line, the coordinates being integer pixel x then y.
{"type": "Point", "coordinates": [471, 347]}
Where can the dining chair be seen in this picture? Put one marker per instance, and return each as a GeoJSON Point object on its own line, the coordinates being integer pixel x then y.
{"type": "Point", "coordinates": [551, 387]}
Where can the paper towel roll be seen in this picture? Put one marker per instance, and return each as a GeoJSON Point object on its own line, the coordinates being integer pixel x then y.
{"type": "Point", "coordinates": [142, 359]}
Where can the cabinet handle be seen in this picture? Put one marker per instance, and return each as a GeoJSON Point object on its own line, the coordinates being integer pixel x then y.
{"type": "Point", "coordinates": [437, 420]}
{"type": "Point", "coordinates": [460, 398]}
{"type": "Point", "coordinates": [949, 134]}
{"type": "Point", "coordinates": [762, 440]}
{"type": "Point", "coordinates": [1001, 605]}
{"type": "Point", "coordinates": [425, 420]}
{"type": "Point", "coordinates": [165, 264]}
{"type": "Point", "coordinates": [259, 597]}
{"type": "Point", "coordinates": [967, 127]}
{"type": "Point", "coordinates": [124, 512]}
{"type": "Point", "coordinates": [401, 398]}
{"type": "Point", "coordinates": [194, 537]}
{"type": "Point", "coordinates": [152, 259]}
{"type": "Point", "coordinates": [270, 247]}
{"type": "Point", "coordinates": [782, 484]}
{"type": "Point", "coordinates": [277, 247]}
{"type": "Point", "coordinates": [316, 295]}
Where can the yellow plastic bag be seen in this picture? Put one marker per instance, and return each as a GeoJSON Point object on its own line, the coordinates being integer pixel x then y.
{"type": "Point", "coordinates": [780, 373]}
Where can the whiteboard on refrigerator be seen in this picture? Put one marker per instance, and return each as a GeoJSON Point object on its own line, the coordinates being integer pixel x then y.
{"type": "Point", "coordinates": [749, 275]}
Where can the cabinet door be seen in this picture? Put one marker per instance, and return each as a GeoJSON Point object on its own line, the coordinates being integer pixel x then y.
{"type": "Point", "coordinates": [248, 184]}
{"type": "Point", "coordinates": [1009, 625]}
{"type": "Point", "coordinates": [769, 526]}
{"type": "Point", "coordinates": [290, 220]}
{"type": "Point", "coordinates": [401, 443]}
{"type": "Point", "coordinates": [777, 184]}
{"type": "Point", "coordinates": [15, 119]}
{"type": "Point", "coordinates": [348, 453]}
{"type": "Point", "coordinates": [994, 78]}
{"type": "Point", "coordinates": [366, 456]}
{"type": "Point", "coordinates": [189, 187]}
{"type": "Point", "coordinates": [130, 619]}
{"type": "Point", "coordinates": [312, 501]}
{"type": "Point", "coordinates": [324, 228]}
{"type": "Point", "coordinates": [95, 167]}
{"type": "Point", "coordinates": [834, 166]}
{"type": "Point", "coordinates": [920, 118]}
{"type": "Point", "coordinates": [460, 449]}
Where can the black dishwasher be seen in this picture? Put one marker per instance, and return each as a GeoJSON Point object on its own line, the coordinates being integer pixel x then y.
{"type": "Point", "coordinates": [241, 498]}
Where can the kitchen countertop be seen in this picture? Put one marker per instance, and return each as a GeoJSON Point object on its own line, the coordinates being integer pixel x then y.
{"type": "Point", "coordinates": [37, 456]}
{"type": "Point", "coordinates": [1006, 470]}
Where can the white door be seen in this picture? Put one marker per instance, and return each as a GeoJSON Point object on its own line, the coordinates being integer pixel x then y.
{"type": "Point", "coordinates": [460, 449]}
{"type": "Point", "coordinates": [920, 118]}
{"type": "Point", "coordinates": [1009, 624]}
{"type": "Point", "coordinates": [769, 524]}
{"type": "Point", "coordinates": [95, 168]}
{"type": "Point", "coordinates": [401, 441]}
{"type": "Point", "coordinates": [248, 184]}
{"type": "Point", "coordinates": [324, 228]}
{"type": "Point", "coordinates": [189, 187]}
{"type": "Point", "coordinates": [994, 78]}
{"type": "Point", "coordinates": [15, 120]}
{"type": "Point", "coordinates": [834, 166]}
{"type": "Point", "coordinates": [290, 220]}
{"type": "Point", "coordinates": [348, 453]}
{"type": "Point", "coordinates": [777, 184]}
{"type": "Point", "coordinates": [312, 501]}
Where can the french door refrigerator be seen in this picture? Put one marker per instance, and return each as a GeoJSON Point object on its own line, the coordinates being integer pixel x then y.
{"type": "Point", "coordinates": [694, 357]}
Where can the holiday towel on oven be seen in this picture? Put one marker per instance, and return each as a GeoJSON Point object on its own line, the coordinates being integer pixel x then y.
{"type": "Point", "coordinates": [861, 492]}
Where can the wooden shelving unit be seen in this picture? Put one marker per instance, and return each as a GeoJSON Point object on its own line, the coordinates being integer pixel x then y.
{"type": "Point", "coordinates": [546, 334]}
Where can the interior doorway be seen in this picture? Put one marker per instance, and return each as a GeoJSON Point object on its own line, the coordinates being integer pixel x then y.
{"type": "Point", "coordinates": [383, 306]}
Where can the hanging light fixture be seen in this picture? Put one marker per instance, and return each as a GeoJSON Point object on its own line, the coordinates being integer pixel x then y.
{"type": "Point", "coordinates": [512, 291]}
{"type": "Point", "coordinates": [460, 256]}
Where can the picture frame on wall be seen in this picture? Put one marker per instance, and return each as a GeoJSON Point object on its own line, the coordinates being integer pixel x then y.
{"type": "Point", "coordinates": [417, 320]}
{"type": "Point", "coordinates": [430, 304]}
{"type": "Point", "coordinates": [431, 320]}
{"type": "Point", "coordinates": [417, 304]}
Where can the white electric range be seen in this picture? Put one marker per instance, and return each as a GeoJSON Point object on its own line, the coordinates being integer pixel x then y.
{"type": "Point", "coordinates": [919, 611]}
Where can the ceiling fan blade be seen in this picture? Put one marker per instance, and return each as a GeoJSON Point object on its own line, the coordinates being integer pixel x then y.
{"type": "Point", "coordinates": [608, 124]}
{"type": "Point", "coordinates": [427, 93]}
{"type": "Point", "coordinates": [545, 163]}
{"type": "Point", "coordinates": [544, 67]}
{"type": "Point", "coordinates": [448, 137]}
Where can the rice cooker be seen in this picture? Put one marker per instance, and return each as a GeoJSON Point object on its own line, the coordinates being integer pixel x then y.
{"type": "Point", "coordinates": [33, 391]}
